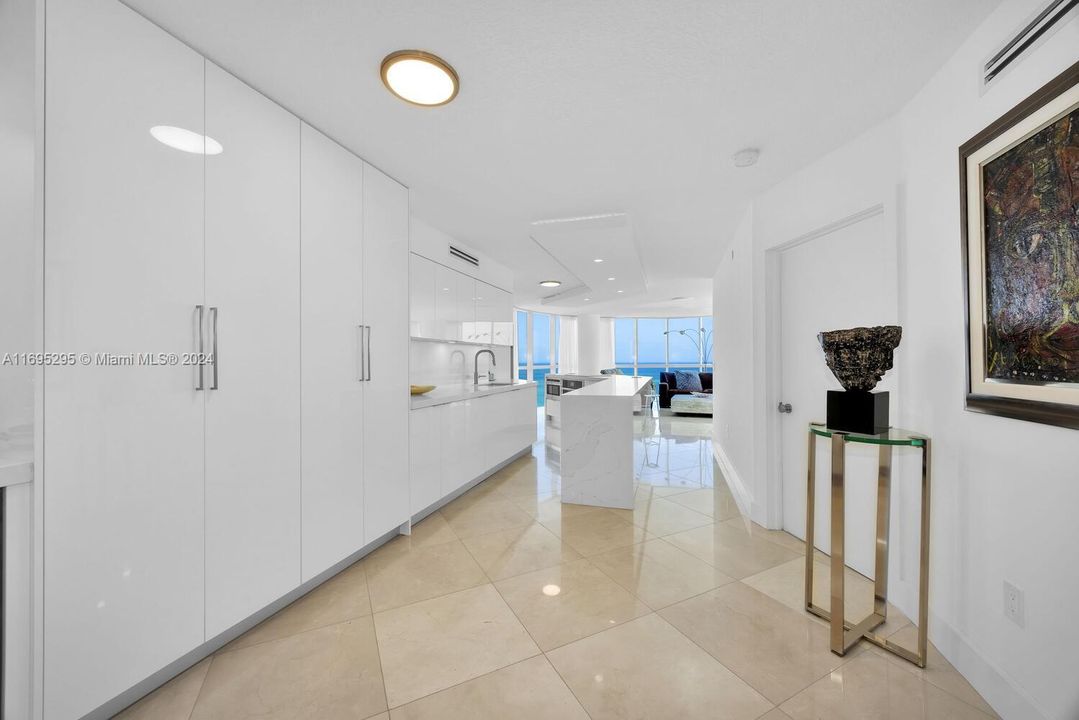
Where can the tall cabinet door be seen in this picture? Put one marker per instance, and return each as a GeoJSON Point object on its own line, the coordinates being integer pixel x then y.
{"type": "Point", "coordinates": [253, 414]}
{"type": "Point", "coordinates": [386, 398]}
{"type": "Point", "coordinates": [122, 474]}
{"type": "Point", "coordinates": [331, 260]}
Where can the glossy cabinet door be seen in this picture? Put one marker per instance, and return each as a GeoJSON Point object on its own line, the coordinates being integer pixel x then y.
{"type": "Point", "coordinates": [332, 429]}
{"type": "Point", "coordinates": [253, 417]}
{"type": "Point", "coordinates": [466, 307]}
{"type": "Point", "coordinates": [456, 431]}
{"type": "Point", "coordinates": [422, 320]}
{"type": "Point", "coordinates": [122, 483]}
{"type": "Point", "coordinates": [446, 311]}
{"type": "Point", "coordinates": [425, 457]}
{"type": "Point", "coordinates": [486, 300]}
{"type": "Point", "coordinates": [386, 397]}
{"type": "Point", "coordinates": [524, 419]}
{"type": "Point", "coordinates": [502, 317]}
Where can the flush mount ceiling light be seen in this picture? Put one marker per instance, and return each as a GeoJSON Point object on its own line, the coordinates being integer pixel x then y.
{"type": "Point", "coordinates": [610, 278]}
{"type": "Point", "coordinates": [550, 283]}
{"type": "Point", "coordinates": [419, 78]}
{"type": "Point", "coordinates": [190, 142]}
{"type": "Point", "coordinates": [746, 157]}
{"type": "Point", "coordinates": [598, 260]}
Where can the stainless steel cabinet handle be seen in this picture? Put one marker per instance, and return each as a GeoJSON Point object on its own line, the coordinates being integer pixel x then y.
{"type": "Point", "coordinates": [213, 346]}
{"type": "Point", "coordinates": [367, 349]}
{"type": "Point", "coordinates": [200, 381]}
{"type": "Point", "coordinates": [362, 366]}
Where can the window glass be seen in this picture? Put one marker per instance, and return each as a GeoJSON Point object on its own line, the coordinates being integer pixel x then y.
{"type": "Point", "coordinates": [623, 343]}
{"type": "Point", "coordinates": [522, 343]}
{"type": "Point", "coordinates": [651, 342]}
{"type": "Point", "coordinates": [541, 340]}
{"type": "Point", "coordinates": [706, 323]}
{"type": "Point", "coordinates": [684, 340]}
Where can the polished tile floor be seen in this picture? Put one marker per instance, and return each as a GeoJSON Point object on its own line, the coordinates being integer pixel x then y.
{"type": "Point", "coordinates": [507, 604]}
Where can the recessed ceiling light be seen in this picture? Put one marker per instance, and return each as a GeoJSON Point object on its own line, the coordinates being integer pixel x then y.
{"type": "Point", "coordinates": [746, 157]}
{"type": "Point", "coordinates": [550, 283]}
{"type": "Point", "coordinates": [587, 299]}
{"type": "Point", "coordinates": [610, 278]}
{"type": "Point", "coordinates": [185, 140]}
{"type": "Point", "coordinates": [420, 78]}
{"type": "Point", "coordinates": [619, 291]}
{"type": "Point", "coordinates": [598, 260]}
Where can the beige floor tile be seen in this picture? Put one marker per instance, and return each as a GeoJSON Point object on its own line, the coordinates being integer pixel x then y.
{"type": "Point", "coordinates": [786, 583]}
{"type": "Point", "coordinates": [660, 516]}
{"type": "Point", "coordinates": [487, 515]}
{"type": "Point", "coordinates": [331, 673]}
{"type": "Point", "coordinates": [717, 504]}
{"type": "Point", "coordinates": [647, 669]}
{"type": "Point", "coordinates": [432, 530]}
{"type": "Point", "coordinates": [399, 576]}
{"type": "Point", "coordinates": [938, 670]}
{"type": "Point", "coordinates": [529, 482]}
{"type": "Point", "coordinates": [171, 701]}
{"type": "Point", "coordinates": [659, 573]}
{"type": "Point", "coordinates": [342, 597]}
{"type": "Point", "coordinates": [871, 688]}
{"type": "Point", "coordinates": [776, 650]}
{"type": "Point", "coordinates": [593, 533]}
{"type": "Point", "coordinates": [436, 644]}
{"type": "Point", "coordinates": [519, 550]}
{"type": "Point", "coordinates": [529, 690]}
{"type": "Point", "coordinates": [568, 602]}
{"type": "Point", "coordinates": [732, 550]}
{"type": "Point", "coordinates": [775, 714]}
{"type": "Point", "coordinates": [645, 491]}
{"type": "Point", "coordinates": [552, 510]}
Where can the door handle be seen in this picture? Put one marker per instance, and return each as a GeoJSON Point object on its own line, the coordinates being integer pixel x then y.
{"type": "Point", "coordinates": [367, 349]}
{"type": "Point", "coordinates": [213, 346]}
{"type": "Point", "coordinates": [360, 363]}
{"type": "Point", "coordinates": [782, 407]}
{"type": "Point", "coordinates": [200, 378]}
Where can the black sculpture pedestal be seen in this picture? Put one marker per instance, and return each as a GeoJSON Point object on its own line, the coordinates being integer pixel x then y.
{"type": "Point", "coordinates": [857, 411]}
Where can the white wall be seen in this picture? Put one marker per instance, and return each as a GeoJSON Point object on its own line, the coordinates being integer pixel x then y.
{"type": "Point", "coordinates": [595, 339]}
{"type": "Point", "coordinates": [433, 244]}
{"type": "Point", "coordinates": [1005, 491]}
{"type": "Point", "coordinates": [444, 363]}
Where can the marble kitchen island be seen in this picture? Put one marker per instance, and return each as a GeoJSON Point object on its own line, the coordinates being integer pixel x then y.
{"type": "Point", "coordinates": [597, 442]}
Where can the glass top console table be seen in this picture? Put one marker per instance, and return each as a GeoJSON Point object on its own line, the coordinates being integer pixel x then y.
{"type": "Point", "coordinates": [845, 634]}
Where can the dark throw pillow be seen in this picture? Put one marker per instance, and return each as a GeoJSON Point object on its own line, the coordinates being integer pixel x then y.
{"type": "Point", "coordinates": [687, 380]}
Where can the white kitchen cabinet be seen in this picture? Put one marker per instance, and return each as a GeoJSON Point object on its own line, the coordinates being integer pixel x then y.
{"type": "Point", "coordinates": [486, 300]}
{"type": "Point", "coordinates": [456, 420]}
{"type": "Point", "coordinates": [253, 415]}
{"type": "Point", "coordinates": [425, 457]}
{"type": "Point", "coordinates": [386, 398]}
{"type": "Point", "coordinates": [332, 429]}
{"type": "Point", "coordinates": [524, 419]}
{"type": "Point", "coordinates": [122, 554]}
{"type": "Point", "coordinates": [423, 320]}
{"type": "Point", "coordinates": [502, 317]}
{"type": "Point", "coordinates": [446, 311]}
{"type": "Point", "coordinates": [466, 307]}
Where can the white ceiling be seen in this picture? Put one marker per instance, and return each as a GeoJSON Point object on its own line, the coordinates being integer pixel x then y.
{"type": "Point", "coordinates": [574, 108]}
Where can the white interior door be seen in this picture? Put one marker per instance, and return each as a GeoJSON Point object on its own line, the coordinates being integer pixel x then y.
{"type": "Point", "coordinates": [331, 190]}
{"type": "Point", "coordinates": [122, 475]}
{"type": "Point", "coordinates": [386, 397]}
{"type": "Point", "coordinates": [253, 417]}
{"type": "Point", "coordinates": [842, 279]}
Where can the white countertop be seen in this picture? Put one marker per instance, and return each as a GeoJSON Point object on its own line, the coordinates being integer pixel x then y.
{"type": "Point", "coordinates": [445, 394]}
{"type": "Point", "coordinates": [612, 386]}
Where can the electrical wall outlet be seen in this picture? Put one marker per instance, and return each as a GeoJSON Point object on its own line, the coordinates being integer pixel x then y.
{"type": "Point", "coordinates": [1014, 605]}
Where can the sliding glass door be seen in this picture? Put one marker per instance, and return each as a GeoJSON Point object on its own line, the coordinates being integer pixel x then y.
{"type": "Point", "coordinates": [538, 335]}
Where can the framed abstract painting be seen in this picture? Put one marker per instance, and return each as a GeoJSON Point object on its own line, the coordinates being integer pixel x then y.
{"type": "Point", "coordinates": [1019, 180]}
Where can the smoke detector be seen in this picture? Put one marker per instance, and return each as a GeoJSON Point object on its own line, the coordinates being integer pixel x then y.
{"type": "Point", "coordinates": [746, 157]}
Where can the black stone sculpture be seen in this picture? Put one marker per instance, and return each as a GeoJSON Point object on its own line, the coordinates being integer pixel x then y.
{"type": "Point", "coordinates": [859, 357]}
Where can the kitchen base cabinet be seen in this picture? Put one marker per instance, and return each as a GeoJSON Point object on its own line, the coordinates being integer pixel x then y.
{"type": "Point", "coordinates": [425, 457]}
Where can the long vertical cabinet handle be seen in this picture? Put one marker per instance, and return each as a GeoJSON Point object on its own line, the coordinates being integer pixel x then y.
{"type": "Point", "coordinates": [213, 346]}
{"type": "Point", "coordinates": [200, 378]}
{"type": "Point", "coordinates": [361, 365]}
{"type": "Point", "coordinates": [367, 349]}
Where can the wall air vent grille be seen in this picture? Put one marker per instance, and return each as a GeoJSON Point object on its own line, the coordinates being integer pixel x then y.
{"type": "Point", "coordinates": [470, 259]}
{"type": "Point", "coordinates": [1038, 27]}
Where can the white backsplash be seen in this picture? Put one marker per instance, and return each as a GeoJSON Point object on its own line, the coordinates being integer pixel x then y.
{"type": "Point", "coordinates": [443, 363]}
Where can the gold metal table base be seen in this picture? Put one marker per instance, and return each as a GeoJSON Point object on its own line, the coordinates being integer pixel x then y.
{"type": "Point", "coordinates": [845, 634]}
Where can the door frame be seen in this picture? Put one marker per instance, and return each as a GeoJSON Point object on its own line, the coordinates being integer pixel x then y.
{"type": "Point", "coordinates": [888, 207]}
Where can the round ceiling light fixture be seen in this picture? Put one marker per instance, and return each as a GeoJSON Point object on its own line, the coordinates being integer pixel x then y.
{"type": "Point", "coordinates": [746, 157]}
{"type": "Point", "coordinates": [598, 260]}
{"type": "Point", "coordinates": [420, 78]}
{"type": "Point", "coordinates": [187, 141]}
{"type": "Point", "coordinates": [550, 283]}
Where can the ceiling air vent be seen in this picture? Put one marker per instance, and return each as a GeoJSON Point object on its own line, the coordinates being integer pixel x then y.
{"type": "Point", "coordinates": [472, 259]}
{"type": "Point", "coordinates": [1036, 29]}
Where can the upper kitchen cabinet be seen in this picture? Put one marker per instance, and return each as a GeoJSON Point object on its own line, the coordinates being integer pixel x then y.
{"type": "Point", "coordinates": [447, 319]}
{"type": "Point", "coordinates": [466, 307]}
{"type": "Point", "coordinates": [253, 396]}
{"type": "Point", "coordinates": [386, 316]}
{"type": "Point", "coordinates": [122, 503]}
{"type": "Point", "coordinates": [423, 320]}
{"type": "Point", "coordinates": [332, 334]}
{"type": "Point", "coordinates": [502, 317]}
